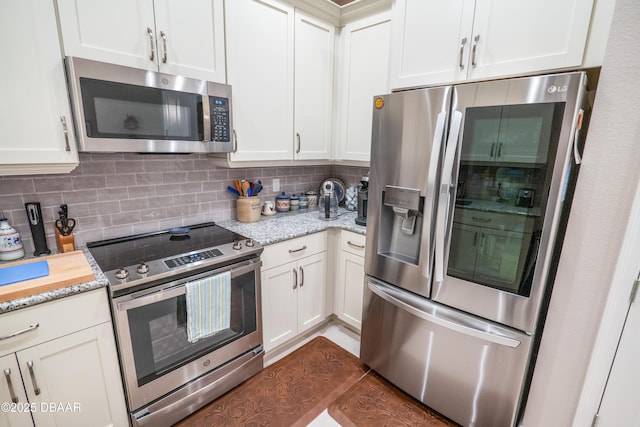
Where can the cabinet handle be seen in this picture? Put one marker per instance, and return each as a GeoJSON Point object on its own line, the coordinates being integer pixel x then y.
{"type": "Point", "coordinates": [298, 138]}
{"type": "Point", "coordinates": [36, 389]}
{"type": "Point", "coordinates": [499, 149]}
{"type": "Point", "coordinates": [301, 277]}
{"type": "Point", "coordinates": [152, 43]}
{"type": "Point", "coordinates": [12, 393]}
{"type": "Point", "coordinates": [24, 331]}
{"type": "Point", "coordinates": [164, 46]}
{"type": "Point", "coordinates": [473, 52]}
{"type": "Point", "coordinates": [291, 251]}
{"type": "Point", "coordinates": [493, 147]}
{"type": "Point", "coordinates": [65, 130]}
{"type": "Point", "coordinates": [355, 245]}
{"type": "Point", "coordinates": [462, 43]}
{"type": "Point", "coordinates": [475, 238]}
{"type": "Point", "coordinates": [295, 279]}
{"type": "Point", "coordinates": [480, 219]}
{"type": "Point", "coordinates": [235, 141]}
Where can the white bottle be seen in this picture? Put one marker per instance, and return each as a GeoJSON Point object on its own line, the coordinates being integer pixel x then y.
{"type": "Point", "coordinates": [10, 243]}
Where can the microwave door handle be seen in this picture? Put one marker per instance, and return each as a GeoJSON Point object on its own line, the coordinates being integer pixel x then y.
{"type": "Point", "coordinates": [436, 145]}
{"type": "Point", "coordinates": [206, 118]}
{"type": "Point", "coordinates": [444, 194]}
{"type": "Point", "coordinates": [455, 322]}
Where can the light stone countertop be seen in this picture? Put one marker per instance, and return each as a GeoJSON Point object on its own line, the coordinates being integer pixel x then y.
{"type": "Point", "coordinates": [270, 229]}
{"type": "Point", "coordinates": [99, 282]}
{"type": "Point", "coordinates": [285, 226]}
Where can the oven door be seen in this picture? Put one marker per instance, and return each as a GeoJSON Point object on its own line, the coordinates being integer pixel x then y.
{"type": "Point", "coordinates": [151, 326]}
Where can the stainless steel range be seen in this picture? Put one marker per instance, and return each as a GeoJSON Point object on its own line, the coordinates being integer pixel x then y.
{"type": "Point", "coordinates": [167, 376]}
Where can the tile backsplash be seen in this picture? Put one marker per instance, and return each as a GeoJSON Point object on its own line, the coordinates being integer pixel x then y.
{"type": "Point", "coordinates": [113, 195]}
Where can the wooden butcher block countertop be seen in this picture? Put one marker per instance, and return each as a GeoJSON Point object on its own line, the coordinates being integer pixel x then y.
{"type": "Point", "coordinates": [65, 270]}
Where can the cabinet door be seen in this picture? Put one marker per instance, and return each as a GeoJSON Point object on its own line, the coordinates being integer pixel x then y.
{"type": "Point", "coordinates": [35, 117]}
{"type": "Point", "coordinates": [279, 305]}
{"type": "Point", "coordinates": [350, 289]}
{"type": "Point", "coordinates": [75, 380]}
{"type": "Point", "coordinates": [365, 71]}
{"type": "Point", "coordinates": [501, 258]}
{"type": "Point", "coordinates": [312, 290]}
{"type": "Point", "coordinates": [516, 37]}
{"type": "Point", "coordinates": [463, 250]}
{"type": "Point", "coordinates": [12, 393]}
{"type": "Point", "coordinates": [481, 131]}
{"type": "Point", "coordinates": [430, 41]}
{"type": "Point", "coordinates": [260, 45]}
{"type": "Point", "coordinates": [314, 53]}
{"type": "Point", "coordinates": [118, 31]}
{"type": "Point", "coordinates": [190, 38]}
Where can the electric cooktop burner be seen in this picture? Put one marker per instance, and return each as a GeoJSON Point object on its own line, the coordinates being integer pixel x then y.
{"type": "Point", "coordinates": [130, 261]}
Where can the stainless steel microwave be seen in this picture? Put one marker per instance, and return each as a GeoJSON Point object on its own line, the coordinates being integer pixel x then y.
{"type": "Point", "coordinates": [123, 109]}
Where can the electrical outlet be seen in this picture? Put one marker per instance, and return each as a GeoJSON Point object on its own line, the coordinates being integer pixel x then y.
{"type": "Point", "coordinates": [276, 184]}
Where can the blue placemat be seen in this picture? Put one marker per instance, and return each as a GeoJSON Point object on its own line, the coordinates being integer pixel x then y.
{"type": "Point", "coordinates": [22, 272]}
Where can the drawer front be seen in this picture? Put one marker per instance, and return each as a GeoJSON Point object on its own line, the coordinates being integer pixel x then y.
{"type": "Point", "coordinates": [54, 319]}
{"type": "Point", "coordinates": [294, 249]}
{"type": "Point", "coordinates": [498, 221]}
{"type": "Point", "coordinates": [352, 242]}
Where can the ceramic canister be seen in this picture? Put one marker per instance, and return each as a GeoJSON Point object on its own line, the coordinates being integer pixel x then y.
{"type": "Point", "coordinates": [295, 203]}
{"type": "Point", "coordinates": [312, 197]}
{"type": "Point", "coordinates": [283, 203]}
{"type": "Point", "coordinates": [10, 243]}
{"type": "Point", "coordinates": [304, 202]}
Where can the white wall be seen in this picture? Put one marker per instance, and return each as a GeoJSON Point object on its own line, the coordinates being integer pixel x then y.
{"type": "Point", "coordinates": [608, 180]}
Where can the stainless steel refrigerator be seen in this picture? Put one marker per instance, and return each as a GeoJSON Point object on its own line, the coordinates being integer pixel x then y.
{"type": "Point", "coordinates": [466, 194]}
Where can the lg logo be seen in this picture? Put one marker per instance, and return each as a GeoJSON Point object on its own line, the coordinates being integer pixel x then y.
{"type": "Point", "coordinates": [554, 89]}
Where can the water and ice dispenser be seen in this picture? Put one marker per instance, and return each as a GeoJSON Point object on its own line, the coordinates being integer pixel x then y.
{"type": "Point", "coordinates": [401, 223]}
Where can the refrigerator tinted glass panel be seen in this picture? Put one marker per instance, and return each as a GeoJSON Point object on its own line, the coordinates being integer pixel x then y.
{"type": "Point", "coordinates": [506, 162]}
{"type": "Point", "coordinates": [118, 110]}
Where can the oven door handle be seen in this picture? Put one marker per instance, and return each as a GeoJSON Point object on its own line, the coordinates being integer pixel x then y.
{"type": "Point", "coordinates": [177, 289]}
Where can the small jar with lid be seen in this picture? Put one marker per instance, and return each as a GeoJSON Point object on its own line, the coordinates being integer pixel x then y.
{"type": "Point", "coordinates": [283, 203]}
{"type": "Point", "coordinates": [304, 202]}
{"type": "Point", "coordinates": [294, 203]}
{"type": "Point", "coordinates": [312, 197]}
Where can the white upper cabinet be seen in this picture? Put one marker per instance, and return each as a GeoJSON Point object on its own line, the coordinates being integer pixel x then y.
{"type": "Point", "coordinates": [170, 36]}
{"type": "Point", "coordinates": [35, 117]}
{"type": "Point", "coordinates": [313, 59]}
{"type": "Point", "coordinates": [437, 41]}
{"type": "Point", "coordinates": [260, 69]}
{"type": "Point", "coordinates": [364, 74]}
{"type": "Point", "coordinates": [280, 64]}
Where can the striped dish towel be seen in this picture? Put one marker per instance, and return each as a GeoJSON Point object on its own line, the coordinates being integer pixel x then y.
{"type": "Point", "coordinates": [208, 306]}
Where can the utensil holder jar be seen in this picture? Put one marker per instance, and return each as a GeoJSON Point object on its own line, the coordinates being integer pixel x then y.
{"type": "Point", "coordinates": [248, 209]}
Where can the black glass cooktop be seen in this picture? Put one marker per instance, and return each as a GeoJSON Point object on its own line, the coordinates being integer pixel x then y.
{"type": "Point", "coordinates": [113, 253]}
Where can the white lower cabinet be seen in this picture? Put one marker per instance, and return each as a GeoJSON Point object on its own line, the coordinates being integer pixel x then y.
{"type": "Point", "coordinates": [293, 288]}
{"type": "Point", "coordinates": [350, 279]}
{"type": "Point", "coordinates": [72, 380]}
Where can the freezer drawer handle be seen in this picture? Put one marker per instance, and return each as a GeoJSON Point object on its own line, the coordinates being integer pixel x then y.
{"type": "Point", "coordinates": [454, 326]}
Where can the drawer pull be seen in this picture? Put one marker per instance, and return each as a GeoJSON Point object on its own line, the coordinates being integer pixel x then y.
{"type": "Point", "coordinates": [355, 245]}
{"type": "Point", "coordinates": [291, 251]}
{"type": "Point", "coordinates": [24, 331]}
{"type": "Point", "coordinates": [36, 389]}
{"type": "Point", "coordinates": [479, 219]}
{"type": "Point", "coordinates": [7, 374]}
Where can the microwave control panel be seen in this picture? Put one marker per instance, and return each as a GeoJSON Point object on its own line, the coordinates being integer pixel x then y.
{"type": "Point", "coordinates": [220, 123]}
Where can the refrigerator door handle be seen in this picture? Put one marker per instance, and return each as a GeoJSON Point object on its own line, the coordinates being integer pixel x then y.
{"type": "Point", "coordinates": [425, 244]}
{"type": "Point", "coordinates": [445, 192]}
{"type": "Point", "coordinates": [408, 303]}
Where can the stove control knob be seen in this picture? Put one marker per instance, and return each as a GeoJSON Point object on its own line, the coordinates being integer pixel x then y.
{"type": "Point", "coordinates": [249, 243]}
{"type": "Point", "coordinates": [142, 268]}
{"type": "Point", "coordinates": [122, 273]}
{"type": "Point", "coordinates": [237, 245]}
